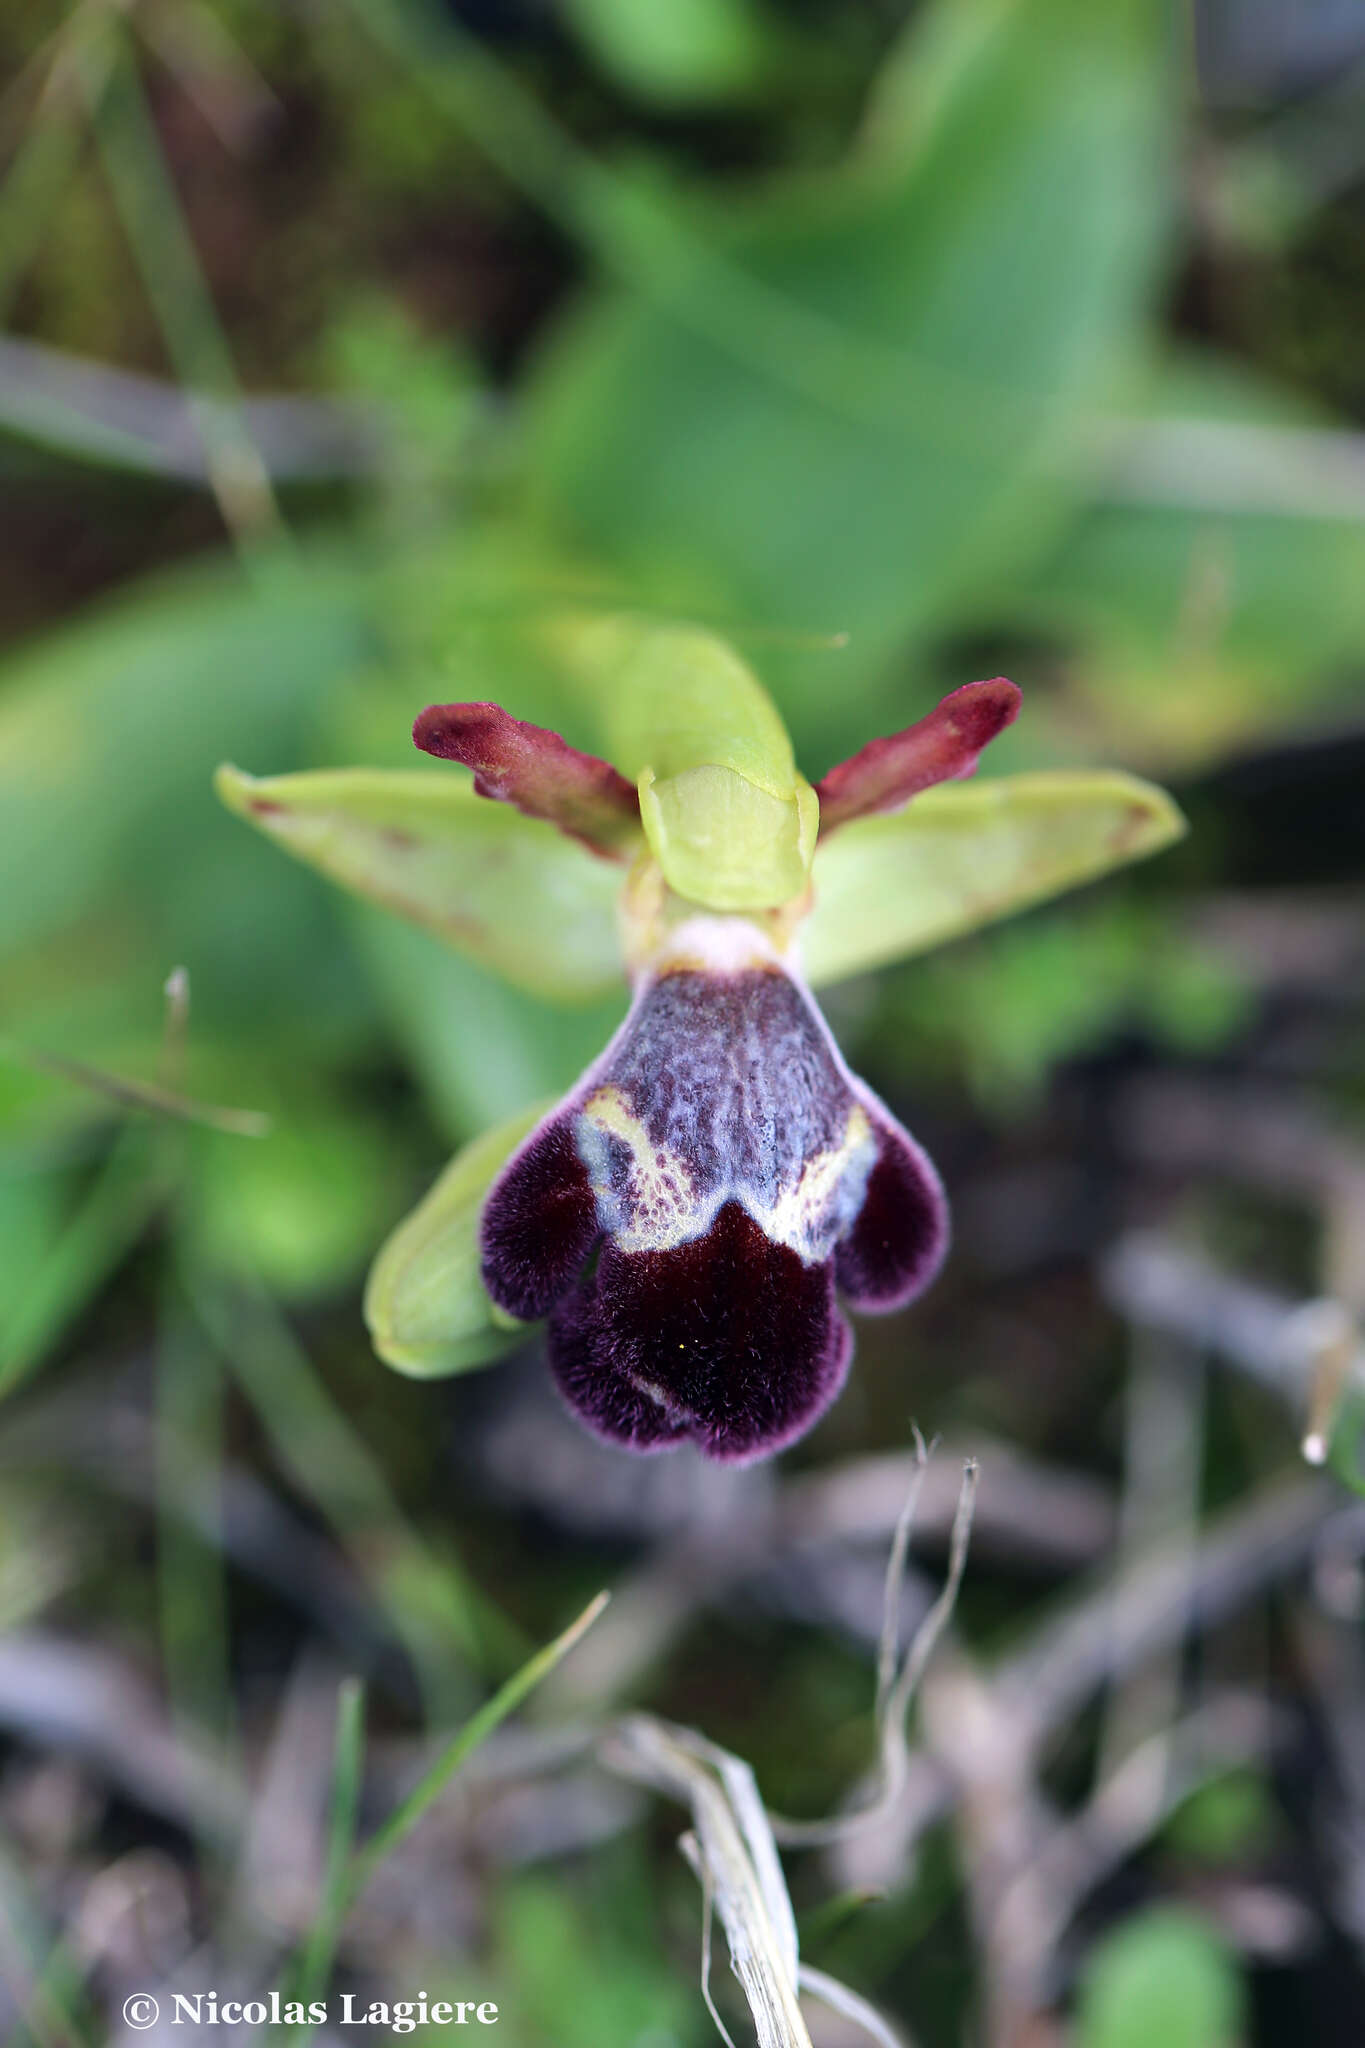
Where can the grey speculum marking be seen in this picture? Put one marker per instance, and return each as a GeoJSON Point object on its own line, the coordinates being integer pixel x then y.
{"type": "Point", "coordinates": [725, 1087]}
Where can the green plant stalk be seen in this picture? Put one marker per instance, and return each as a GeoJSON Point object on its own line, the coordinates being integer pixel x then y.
{"type": "Point", "coordinates": [828, 1918]}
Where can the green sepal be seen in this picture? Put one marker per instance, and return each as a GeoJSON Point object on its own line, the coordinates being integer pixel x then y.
{"type": "Point", "coordinates": [425, 1305]}
{"type": "Point", "coordinates": [963, 855]}
{"type": "Point", "coordinates": [508, 890]}
{"type": "Point", "coordinates": [728, 817]}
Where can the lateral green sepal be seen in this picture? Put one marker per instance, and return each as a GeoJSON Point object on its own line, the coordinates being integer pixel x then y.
{"type": "Point", "coordinates": [962, 855]}
{"type": "Point", "coordinates": [425, 1305]}
{"type": "Point", "coordinates": [510, 891]}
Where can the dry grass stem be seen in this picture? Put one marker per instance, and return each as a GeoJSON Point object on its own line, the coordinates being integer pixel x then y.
{"type": "Point", "coordinates": [893, 1751]}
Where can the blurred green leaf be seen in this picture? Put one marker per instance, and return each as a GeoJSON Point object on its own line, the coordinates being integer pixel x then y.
{"type": "Point", "coordinates": [1001, 1013]}
{"type": "Point", "coordinates": [1227, 1820]}
{"type": "Point", "coordinates": [109, 733]}
{"type": "Point", "coordinates": [1165, 1976]}
{"type": "Point", "coordinates": [676, 53]}
{"type": "Point", "coordinates": [109, 728]}
{"type": "Point", "coordinates": [963, 855]}
{"type": "Point", "coordinates": [507, 889]}
{"type": "Point", "coordinates": [1219, 586]}
{"type": "Point", "coordinates": [302, 1208]}
{"type": "Point", "coordinates": [581, 1969]}
{"type": "Point", "coordinates": [853, 401]}
{"type": "Point", "coordinates": [425, 1303]}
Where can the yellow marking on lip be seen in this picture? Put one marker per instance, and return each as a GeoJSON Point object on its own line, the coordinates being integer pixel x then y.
{"type": "Point", "coordinates": [660, 1203]}
{"type": "Point", "coordinates": [660, 1191]}
{"type": "Point", "coordinates": [791, 1219]}
{"type": "Point", "coordinates": [697, 963]}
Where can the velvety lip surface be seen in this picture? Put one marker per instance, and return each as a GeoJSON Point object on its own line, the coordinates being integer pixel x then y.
{"type": "Point", "coordinates": [727, 1169]}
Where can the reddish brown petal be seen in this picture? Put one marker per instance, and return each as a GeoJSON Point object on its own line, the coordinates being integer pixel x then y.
{"type": "Point", "coordinates": [537, 771]}
{"type": "Point", "coordinates": [886, 773]}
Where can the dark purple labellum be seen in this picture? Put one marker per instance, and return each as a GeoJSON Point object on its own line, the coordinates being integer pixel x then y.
{"type": "Point", "coordinates": [729, 1171]}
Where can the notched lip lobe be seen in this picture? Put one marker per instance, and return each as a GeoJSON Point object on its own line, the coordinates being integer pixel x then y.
{"type": "Point", "coordinates": [722, 1333]}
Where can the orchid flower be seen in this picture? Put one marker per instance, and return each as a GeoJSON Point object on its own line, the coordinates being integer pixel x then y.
{"type": "Point", "coordinates": [690, 1216]}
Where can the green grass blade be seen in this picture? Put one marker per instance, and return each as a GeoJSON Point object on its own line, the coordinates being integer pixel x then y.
{"type": "Point", "coordinates": [347, 1872]}
{"type": "Point", "coordinates": [191, 1580]}
{"type": "Point", "coordinates": [432, 1607]}
{"type": "Point", "coordinates": [129, 1189]}
{"type": "Point", "coordinates": [319, 1954]}
{"type": "Point", "coordinates": [163, 248]}
{"type": "Point", "coordinates": [44, 1977]}
{"type": "Point", "coordinates": [476, 1730]}
{"type": "Point", "coordinates": [42, 168]}
{"type": "Point", "coordinates": [128, 1093]}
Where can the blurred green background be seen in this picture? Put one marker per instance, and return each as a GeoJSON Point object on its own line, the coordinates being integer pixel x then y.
{"type": "Point", "coordinates": [903, 344]}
